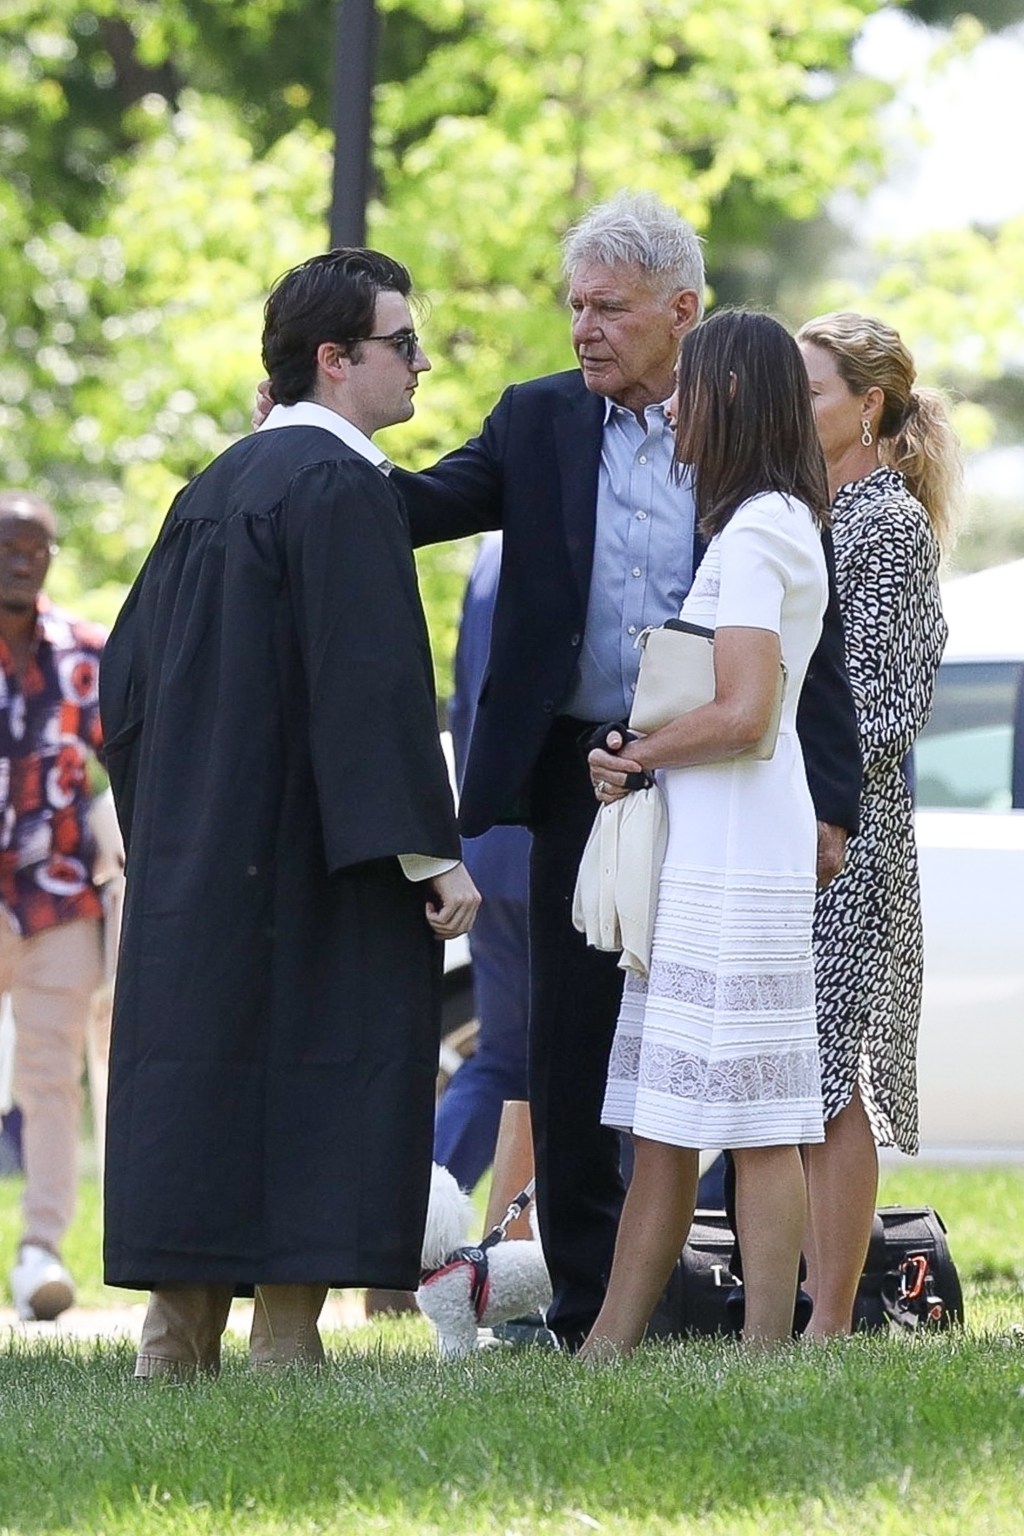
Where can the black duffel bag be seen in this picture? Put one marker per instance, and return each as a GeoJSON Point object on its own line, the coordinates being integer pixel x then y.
{"type": "Point", "coordinates": [703, 1295]}
{"type": "Point", "coordinates": [909, 1279]}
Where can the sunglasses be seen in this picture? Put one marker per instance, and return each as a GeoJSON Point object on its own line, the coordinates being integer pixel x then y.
{"type": "Point", "coordinates": [405, 342]}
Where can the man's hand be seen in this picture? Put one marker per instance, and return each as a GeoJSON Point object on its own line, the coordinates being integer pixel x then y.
{"type": "Point", "coordinates": [457, 903]}
{"type": "Point", "coordinates": [831, 852]}
{"type": "Point", "coordinates": [264, 404]}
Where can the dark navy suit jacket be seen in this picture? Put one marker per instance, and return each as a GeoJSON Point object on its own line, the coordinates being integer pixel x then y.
{"type": "Point", "coordinates": [499, 860]}
{"type": "Point", "coordinates": [533, 472]}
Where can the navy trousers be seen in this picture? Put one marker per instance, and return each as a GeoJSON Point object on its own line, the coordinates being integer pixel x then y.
{"type": "Point", "coordinates": [575, 996]}
{"type": "Point", "coordinates": [468, 1116]}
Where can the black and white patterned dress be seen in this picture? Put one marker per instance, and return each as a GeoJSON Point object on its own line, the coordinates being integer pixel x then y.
{"type": "Point", "coordinates": [867, 924]}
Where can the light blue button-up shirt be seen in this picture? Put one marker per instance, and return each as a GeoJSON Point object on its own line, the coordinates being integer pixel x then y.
{"type": "Point", "coordinates": [643, 558]}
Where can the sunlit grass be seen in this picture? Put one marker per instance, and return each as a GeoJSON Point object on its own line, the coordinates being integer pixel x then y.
{"type": "Point", "coordinates": [871, 1436]}
{"type": "Point", "coordinates": [983, 1208]}
{"type": "Point", "coordinates": [874, 1436]}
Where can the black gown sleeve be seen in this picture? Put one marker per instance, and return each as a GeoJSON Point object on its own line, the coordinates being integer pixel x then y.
{"type": "Point", "coordinates": [123, 690]}
{"type": "Point", "coordinates": [380, 774]}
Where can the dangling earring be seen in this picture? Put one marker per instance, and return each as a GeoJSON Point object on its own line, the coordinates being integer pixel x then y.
{"type": "Point", "coordinates": [865, 433]}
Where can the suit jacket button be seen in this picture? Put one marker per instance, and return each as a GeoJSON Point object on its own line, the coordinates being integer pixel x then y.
{"type": "Point", "coordinates": [575, 640]}
{"type": "Point", "coordinates": [548, 706]}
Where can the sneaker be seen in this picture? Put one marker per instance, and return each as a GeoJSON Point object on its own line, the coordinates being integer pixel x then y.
{"type": "Point", "coordinates": [41, 1286]}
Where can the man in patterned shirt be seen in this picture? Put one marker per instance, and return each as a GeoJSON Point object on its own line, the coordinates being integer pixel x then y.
{"type": "Point", "coordinates": [50, 951]}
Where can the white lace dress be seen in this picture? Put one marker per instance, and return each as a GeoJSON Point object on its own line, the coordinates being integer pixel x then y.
{"type": "Point", "coordinates": [719, 1047]}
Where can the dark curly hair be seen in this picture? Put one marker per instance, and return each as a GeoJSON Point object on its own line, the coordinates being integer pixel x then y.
{"type": "Point", "coordinates": [331, 297]}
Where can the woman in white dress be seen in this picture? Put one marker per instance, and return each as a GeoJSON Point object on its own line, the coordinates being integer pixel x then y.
{"type": "Point", "coordinates": [718, 1047]}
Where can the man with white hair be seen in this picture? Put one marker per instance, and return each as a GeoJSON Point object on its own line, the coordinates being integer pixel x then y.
{"type": "Point", "coordinates": [599, 542]}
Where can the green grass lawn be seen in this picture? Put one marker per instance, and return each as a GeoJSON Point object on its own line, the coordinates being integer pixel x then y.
{"type": "Point", "coordinates": [874, 1436]}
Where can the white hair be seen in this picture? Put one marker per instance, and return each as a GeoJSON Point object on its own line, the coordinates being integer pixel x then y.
{"type": "Point", "coordinates": [637, 229]}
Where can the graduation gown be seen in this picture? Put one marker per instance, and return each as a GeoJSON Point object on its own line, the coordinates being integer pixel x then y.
{"type": "Point", "coordinates": [271, 736]}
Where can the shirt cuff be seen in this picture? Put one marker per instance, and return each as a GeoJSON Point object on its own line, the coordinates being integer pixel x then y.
{"type": "Point", "coordinates": [420, 866]}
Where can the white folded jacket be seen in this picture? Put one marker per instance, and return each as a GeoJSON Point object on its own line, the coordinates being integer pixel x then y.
{"type": "Point", "coordinates": [616, 896]}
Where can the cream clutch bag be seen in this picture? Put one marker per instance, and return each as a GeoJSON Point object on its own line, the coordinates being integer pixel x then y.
{"type": "Point", "coordinates": [677, 673]}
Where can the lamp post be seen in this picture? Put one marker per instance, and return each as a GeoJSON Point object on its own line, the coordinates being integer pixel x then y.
{"type": "Point", "coordinates": [355, 52]}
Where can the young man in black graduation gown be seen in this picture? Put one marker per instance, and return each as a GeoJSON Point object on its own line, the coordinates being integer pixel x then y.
{"type": "Point", "coordinates": [277, 1012]}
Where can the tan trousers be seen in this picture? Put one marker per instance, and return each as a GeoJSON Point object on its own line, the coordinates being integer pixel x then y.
{"type": "Point", "coordinates": [51, 978]}
{"type": "Point", "coordinates": [184, 1324]}
{"type": "Point", "coordinates": [512, 1169]}
{"type": "Point", "coordinates": [97, 1041]}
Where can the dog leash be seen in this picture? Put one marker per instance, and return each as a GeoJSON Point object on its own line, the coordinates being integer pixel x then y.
{"type": "Point", "coordinates": [515, 1209]}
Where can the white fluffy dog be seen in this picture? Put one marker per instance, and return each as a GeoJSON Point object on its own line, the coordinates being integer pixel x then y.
{"type": "Point", "coordinates": [465, 1286]}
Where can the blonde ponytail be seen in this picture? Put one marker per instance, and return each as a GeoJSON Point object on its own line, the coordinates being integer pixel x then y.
{"type": "Point", "coordinates": [926, 451]}
{"type": "Point", "coordinates": [915, 432]}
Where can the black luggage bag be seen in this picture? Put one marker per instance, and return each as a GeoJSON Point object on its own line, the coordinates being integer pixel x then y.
{"type": "Point", "coordinates": [909, 1279]}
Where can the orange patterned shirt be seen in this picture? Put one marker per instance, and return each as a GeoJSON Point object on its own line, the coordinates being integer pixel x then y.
{"type": "Point", "coordinates": [49, 725]}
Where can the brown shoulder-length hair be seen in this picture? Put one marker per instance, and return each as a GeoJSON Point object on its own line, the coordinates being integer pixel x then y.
{"type": "Point", "coordinates": [746, 422]}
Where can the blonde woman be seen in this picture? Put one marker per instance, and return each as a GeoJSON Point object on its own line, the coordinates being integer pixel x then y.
{"type": "Point", "coordinates": [894, 476]}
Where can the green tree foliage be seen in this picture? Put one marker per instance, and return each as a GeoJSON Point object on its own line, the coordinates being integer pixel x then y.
{"type": "Point", "coordinates": [738, 115]}
{"type": "Point", "coordinates": [161, 163]}
{"type": "Point", "coordinates": [955, 296]}
{"type": "Point", "coordinates": [994, 14]}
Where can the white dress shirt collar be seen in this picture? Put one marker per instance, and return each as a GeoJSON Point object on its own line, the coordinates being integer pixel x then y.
{"type": "Point", "coordinates": [610, 406]}
{"type": "Point", "coordinates": [307, 413]}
